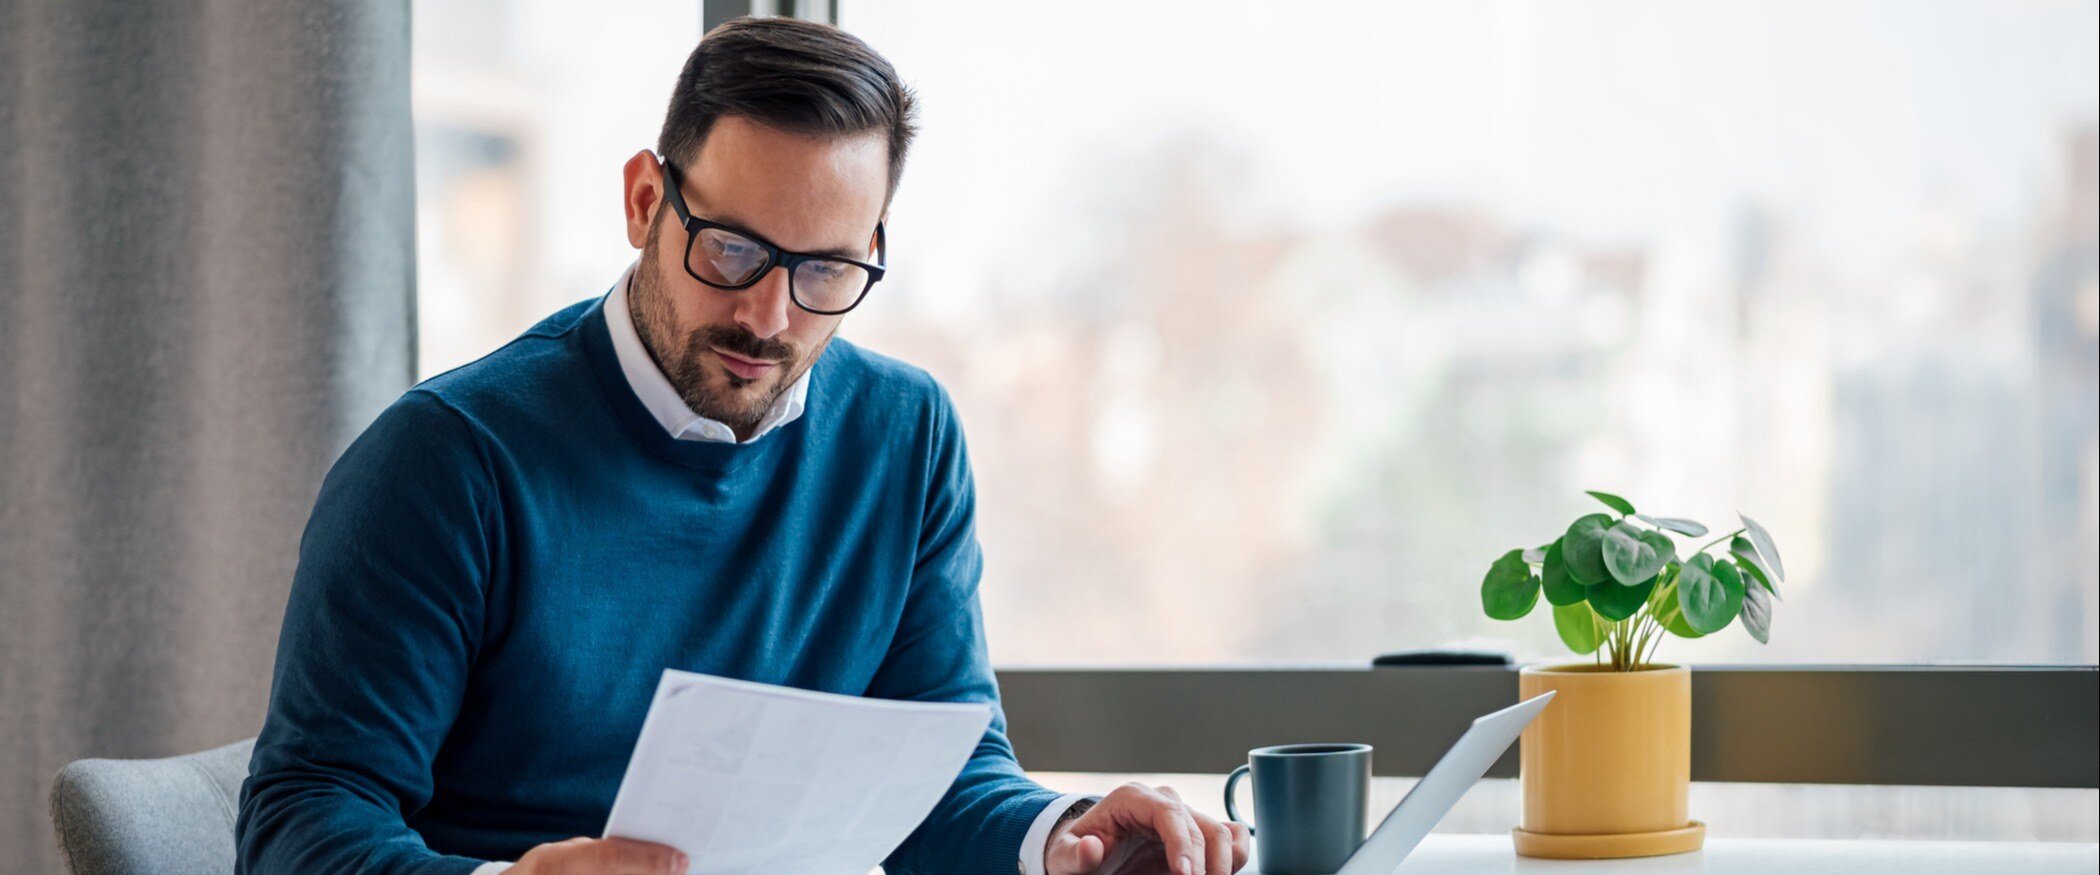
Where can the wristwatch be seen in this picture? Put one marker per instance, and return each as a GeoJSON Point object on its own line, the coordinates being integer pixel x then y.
{"type": "Point", "coordinates": [1072, 813]}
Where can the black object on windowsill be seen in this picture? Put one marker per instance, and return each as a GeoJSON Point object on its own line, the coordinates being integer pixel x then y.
{"type": "Point", "coordinates": [1420, 658]}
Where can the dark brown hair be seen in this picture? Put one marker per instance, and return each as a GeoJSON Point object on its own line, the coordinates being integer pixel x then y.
{"type": "Point", "coordinates": [797, 76]}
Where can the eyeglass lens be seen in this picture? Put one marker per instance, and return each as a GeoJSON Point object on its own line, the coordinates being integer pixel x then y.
{"type": "Point", "coordinates": [731, 259]}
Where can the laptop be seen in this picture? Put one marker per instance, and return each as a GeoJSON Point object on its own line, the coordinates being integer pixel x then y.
{"type": "Point", "coordinates": [1437, 792]}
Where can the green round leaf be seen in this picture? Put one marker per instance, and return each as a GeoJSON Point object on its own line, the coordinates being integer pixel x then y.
{"type": "Point", "coordinates": [1710, 592]}
{"type": "Point", "coordinates": [1583, 549]}
{"type": "Point", "coordinates": [1615, 602]}
{"type": "Point", "coordinates": [1633, 554]}
{"type": "Point", "coordinates": [1757, 614]}
{"type": "Point", "coordinates": [1766, 550]}
{"type": "Point", "coordinates": [1753, 567]}
{"type": "Point", "coordinates": [1560, 587]}
{"type": "Point", "coordinates": [1685, 527]}
{"type": "Point", "coordinates": [1671, 613]}
{"type": "Point", "coordinates": [1663, 546]}
{"type": "Point", "coordinates": [1612, 501]}
{"type": "Point", "coordinates": [1509, 590]}
{"type": "Point", "coordinates": [1578, 626]}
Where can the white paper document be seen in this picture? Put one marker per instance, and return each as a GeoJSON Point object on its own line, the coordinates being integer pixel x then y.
{"type": "Point", "coordinates": [754, 778]}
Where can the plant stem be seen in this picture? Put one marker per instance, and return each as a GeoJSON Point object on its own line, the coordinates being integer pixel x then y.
{"type": "Point", "coordinates": [1675, 609]}
{"type": "Point", "coordinates": [1702, 547]}
{"type": "Point", "coordinates": [1647, 633]}
{"type": "Point", "coordinates": [1645, 645]}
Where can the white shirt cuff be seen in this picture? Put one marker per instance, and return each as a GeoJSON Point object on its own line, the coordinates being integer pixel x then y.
{"type": "Point", "coordinates": [1038, 835]}
{"type": "Point", "coordinates": [490, 868]}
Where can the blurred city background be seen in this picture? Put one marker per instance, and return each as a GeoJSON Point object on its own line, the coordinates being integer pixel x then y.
{"type": "Point", "coordinates": [1270, 331]}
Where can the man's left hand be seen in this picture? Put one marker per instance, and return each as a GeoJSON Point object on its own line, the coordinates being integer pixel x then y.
{"type": "Point", "coordinates": [1188, 843]}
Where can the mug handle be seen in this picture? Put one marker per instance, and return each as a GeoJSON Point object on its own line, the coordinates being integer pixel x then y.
{"type": "Point", "coordinates": [1232, 812]}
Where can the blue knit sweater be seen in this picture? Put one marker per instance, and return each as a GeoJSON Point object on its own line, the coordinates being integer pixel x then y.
{"type": "Point", "coordinates": [499, 569]}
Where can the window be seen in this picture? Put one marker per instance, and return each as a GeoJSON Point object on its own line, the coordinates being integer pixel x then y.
{"type": "Point", "coordinates": [1271, 330]}
{"type": "Point", "coordinates": [1311, 316]}
{"type": "Point", "coordinates": [524, 112]}
{"type": "Point", "coordinates": [1341, 306]}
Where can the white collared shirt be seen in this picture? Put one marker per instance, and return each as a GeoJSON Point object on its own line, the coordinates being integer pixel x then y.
{"type": "Point", "coordinates": [656, 393]}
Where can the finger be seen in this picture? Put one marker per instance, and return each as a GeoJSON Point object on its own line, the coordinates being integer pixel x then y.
{"type": "Point", "coordinates": [1199, 836]}
{"type": "Point", "coordinates": [1177, 829]}
{"type": "Point", "coordinates": [1074, 855]}
{"type": "Point", "coordinates": [1100, 820]}
{"type": "Point", "coordinates": [630, 857]}
{"type": "Point", "coordinates": [555, 857]}
{"type": "Point", "coordinates": [1217, 846]}
{"type": "Point", "coordinates": [1090, 852]}
{"type": "Point", "coordinates": [1142, 854]}
{"type": "Point", "coordinates": [1242, 844]}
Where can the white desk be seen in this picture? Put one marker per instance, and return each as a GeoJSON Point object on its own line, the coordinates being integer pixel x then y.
{"type": "Point", "coordinates": [1450, 854]}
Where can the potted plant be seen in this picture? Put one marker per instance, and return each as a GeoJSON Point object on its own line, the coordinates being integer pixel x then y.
{"type": "Point", "coordinates": [1607, 767]}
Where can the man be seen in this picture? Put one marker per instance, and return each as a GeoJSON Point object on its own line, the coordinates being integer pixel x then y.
{"type": "Point", "coordinates": [689, 472]}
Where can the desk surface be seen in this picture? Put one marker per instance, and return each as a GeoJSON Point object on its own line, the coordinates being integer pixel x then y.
{"type": "Point", "coordinates": [1450, 854]}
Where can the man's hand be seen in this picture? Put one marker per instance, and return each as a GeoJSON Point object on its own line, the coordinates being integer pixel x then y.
{"type": "Point", "coordinates": [582, 856]}
{"type": "Point", "coordinates": [1182, 842]}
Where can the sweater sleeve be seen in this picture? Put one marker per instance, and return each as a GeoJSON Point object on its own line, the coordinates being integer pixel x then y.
{"type": "Point", "coordinates": [382, 623]}
{"type": "Point", "coordinates": [939, 654]}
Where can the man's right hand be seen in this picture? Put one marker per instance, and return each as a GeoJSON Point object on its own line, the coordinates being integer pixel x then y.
{"type": "Point", "coordinates": [582, 856]}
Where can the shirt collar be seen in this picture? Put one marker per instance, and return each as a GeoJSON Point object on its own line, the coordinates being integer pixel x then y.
{"type": "Point", "coordinates": [662, 399]}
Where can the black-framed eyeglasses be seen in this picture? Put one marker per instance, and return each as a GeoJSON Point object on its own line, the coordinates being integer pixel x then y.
{"type": "Point", "coordinates": [730, 258]}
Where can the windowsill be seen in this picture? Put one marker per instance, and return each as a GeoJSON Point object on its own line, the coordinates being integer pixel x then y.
{"type": "Point", "coordinates": [1733, 811]}
{"type": "Point", "coordinates": [1448, 854]}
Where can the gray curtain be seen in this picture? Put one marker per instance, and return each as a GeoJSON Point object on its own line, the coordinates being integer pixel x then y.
{"type": "Point", "coordinates": [206, 289]}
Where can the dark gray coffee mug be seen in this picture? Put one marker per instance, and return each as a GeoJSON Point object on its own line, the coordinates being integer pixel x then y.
{"type": "Point", "coordinates": [1309, 805]}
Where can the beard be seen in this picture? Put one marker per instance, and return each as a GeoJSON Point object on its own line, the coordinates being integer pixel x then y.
{"type": "Point", "coordinates": [707, 388]}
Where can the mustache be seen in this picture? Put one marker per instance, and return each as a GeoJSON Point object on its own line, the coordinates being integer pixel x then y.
{"type": "Point", "coordinates": [737, 341]}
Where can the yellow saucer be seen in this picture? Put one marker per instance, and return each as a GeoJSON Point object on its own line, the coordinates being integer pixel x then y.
{"type": "Point", "coordinates": [1599, 847]}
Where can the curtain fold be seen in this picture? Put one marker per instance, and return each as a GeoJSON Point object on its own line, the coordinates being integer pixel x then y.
{"type": "Point", "coordinates": [207, 247]}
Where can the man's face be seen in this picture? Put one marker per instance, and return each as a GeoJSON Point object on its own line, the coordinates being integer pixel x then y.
{"type": "Point", "coordinates": [730, 354]}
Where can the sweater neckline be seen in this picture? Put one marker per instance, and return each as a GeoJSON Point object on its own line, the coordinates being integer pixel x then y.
{"type": "Point", "coordinates": [641, 425]}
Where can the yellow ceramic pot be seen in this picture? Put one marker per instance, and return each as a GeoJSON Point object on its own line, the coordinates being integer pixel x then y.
{"type": "Point", "coordinates": [1607, 767]}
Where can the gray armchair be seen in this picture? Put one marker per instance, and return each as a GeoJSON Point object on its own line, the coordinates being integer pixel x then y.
{"type": "Point", "coordinates": [174, 815]}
